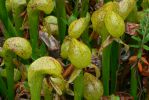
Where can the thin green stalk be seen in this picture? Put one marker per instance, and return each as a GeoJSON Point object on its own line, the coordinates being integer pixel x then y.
{"type": "Point", "coordinates": [106, 66]}
{"type": "Point", "coordinates": [84, 10]}
{"type": "Point", "coordinates": [3, 89]}
{"type": "Point", "coordinates": [35, 89]}
{"type": "Point", "coordinates": [47, 92]}
{"type": "Point", "coordinates": [78, 87]}
{"type": "Point", "coordinates": [33, 17]}
{"type": "Point", "coordinates": [75, 11]}
{"type": "Point", "coordinates": [6, 21]}
{"type": "Point", "coordinates": [114, 65]}
{"type": "Point", "coordinates": [10, 73]}
{"type": "Point", "coordinates": [61, 16]}
{"type": "Point", "coordinates": [33, 9]}
{"type": "Point", "coordinates": [134, 84]}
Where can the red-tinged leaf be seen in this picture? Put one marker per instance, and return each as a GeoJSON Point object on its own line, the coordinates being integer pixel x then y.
{"type": "Point", "coordinates": [145, 72]}
{"type": "Point", "coordinates": [68, 71]}
{"type": "Point", "coordinates": [144, 60]}
{"type": "Point", "coordinates": [140, 67]}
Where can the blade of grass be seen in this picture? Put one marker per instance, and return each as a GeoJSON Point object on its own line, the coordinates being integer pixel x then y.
{"type": "Point", "coordinates": [134, 84]}
{"type": "Point", "coordinates": [114, 65]}
{"type": "Point", "coordinates": [3, 89]}
{"type": "Point", "coordinates": [61, 16]}
{"type": "Point", "coordinates": [6, 21]}
{"type": "Point", "coordinates": [106, 65]}
{"type": "Point", "coordinates": [78, 87]}
{"type": "Point", "coordinates": [106, 69]}
{"type": "Point", "coordinates": [75, 11]}
{"type": "Point", "coordinates": [42, 50]}
{"type": "Point", "coordinates": [85, 6]}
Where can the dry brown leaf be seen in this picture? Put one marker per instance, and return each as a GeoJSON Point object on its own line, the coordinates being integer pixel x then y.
{"type": "Point", "coordinates": [131, 28]}
{"type": "Point", "coordinates": [132, 59]}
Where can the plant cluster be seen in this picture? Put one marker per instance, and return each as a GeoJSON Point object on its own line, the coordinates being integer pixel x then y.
{"type": "Point", "coordinates": [74, 49]}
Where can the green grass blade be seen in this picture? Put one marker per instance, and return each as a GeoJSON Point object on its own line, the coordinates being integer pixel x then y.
{"type": "Point", "coordinates": [114, 65]}
{"type": "Point", "coordinates": [134, 84]}
{"type": "Point", "coordinates": [3, 89]}
{"type": "Point", "coordinates": [106, 55]}
{"type": "Point", "coordinates": [43, 49]}
{"type": "Point", "coordinates": [78, 87]}
{"type": "Point", "coordinates": [6, 21]}
{"type": "Point", "coordinates": [61, 15]}
{"type": "Point", "coordinates": [106, 69]}
{"type": "Point", "coordinates": [84, 10]}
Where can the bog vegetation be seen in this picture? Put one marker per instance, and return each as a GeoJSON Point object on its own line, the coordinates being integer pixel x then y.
{"type": "Point", "coordinates": [74, 49]}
